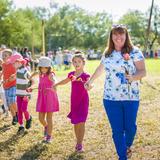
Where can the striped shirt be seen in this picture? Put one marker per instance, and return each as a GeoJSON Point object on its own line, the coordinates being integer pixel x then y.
{"type": "Point", "coordinates": [22, 80]}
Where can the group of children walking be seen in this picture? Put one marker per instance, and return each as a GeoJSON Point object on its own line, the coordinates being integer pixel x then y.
{"type": "Point", "coordinates": [17, 83]}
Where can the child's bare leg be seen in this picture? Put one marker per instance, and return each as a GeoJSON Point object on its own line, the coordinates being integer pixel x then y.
{"type": "Point", "coordinates": [50, 123]}
{"type": "Point", "coordinates": [79, 132]}
{"type": "Point", "coordinates": [42, 119]}
{"type": "Point", "coordinates": [13, 109]}
{"type": "Point", "coordinates": [76, 130]}
{"type": "Point", "coordinates": [4, 101]}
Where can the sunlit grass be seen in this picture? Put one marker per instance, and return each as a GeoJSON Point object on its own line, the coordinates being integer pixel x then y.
{"type": "Point", "coordinates": [152, 67]}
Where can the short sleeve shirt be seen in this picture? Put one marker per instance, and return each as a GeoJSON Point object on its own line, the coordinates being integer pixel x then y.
{"type": "Point", "coordinates": [116, 87]}
{"type": "Point", "coordinates": [8, 70]}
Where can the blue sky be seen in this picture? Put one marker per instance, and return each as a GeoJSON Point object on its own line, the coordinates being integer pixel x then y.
{"type": "Point", "coordinates": [115, 7]}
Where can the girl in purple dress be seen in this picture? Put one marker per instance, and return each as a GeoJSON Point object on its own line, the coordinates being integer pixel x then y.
{"type": "Point", "coordinates": [79, 98]}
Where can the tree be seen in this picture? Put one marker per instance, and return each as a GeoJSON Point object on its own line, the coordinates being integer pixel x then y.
{"type": "Point", "coordinates": [136, 24]}
{"type": "Point", "coordinates": [5, 7]}
{"type": "Point", "coordinates": [154, 35]}
{"type": "Point", "coordinates": [72, 26]}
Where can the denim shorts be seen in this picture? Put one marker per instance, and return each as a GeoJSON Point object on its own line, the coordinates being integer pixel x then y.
{"type": "Point", "coordinates": [10, 94]}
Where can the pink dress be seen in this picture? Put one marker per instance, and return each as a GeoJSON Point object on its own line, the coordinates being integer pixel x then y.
{"type": "Point", "coordinates": [47, 100]}
{"type": "Point", "coordinates": [79, 99]}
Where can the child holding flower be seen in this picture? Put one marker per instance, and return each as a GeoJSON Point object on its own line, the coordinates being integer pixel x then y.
{"type": "Point", "coordinates": [124, 66]}
{"type": "Point", "coordinates": [79, 98]}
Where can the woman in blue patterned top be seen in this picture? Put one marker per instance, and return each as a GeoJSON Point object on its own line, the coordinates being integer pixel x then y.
{"type": "Point", "coordinates": [124, 66]}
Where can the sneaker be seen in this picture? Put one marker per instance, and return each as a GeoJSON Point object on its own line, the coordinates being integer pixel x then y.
{"type": "Point", "coordinates": [6, 113]}
{"type": "Point", "coordinates": [28, 123]}
{"type": "Point", "coordinates": [79, 148]}
{"type": "Point", "coordinates": [3, 108]}
{"type": "Point", "coordinates": [15, 120]}
{"type": "Point", "coordinates": [48, 139]}
{"type": "Point", "coordinates": [20, 130]}
{"type": "Point", "coordinates": [17, 116]}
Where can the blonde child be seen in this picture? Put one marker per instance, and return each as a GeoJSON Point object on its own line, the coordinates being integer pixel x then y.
{"type": "Point", "coordinates": [9, 84]}
{"type": "Point", "coordinates": [47, 101]}
{"type": "Point", "coordinates": [23, 78]}
{"type": "Point", "coordinates": [79, 98]}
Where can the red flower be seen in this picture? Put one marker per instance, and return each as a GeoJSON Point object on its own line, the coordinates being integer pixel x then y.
{"type": "Point", "coordinates": [72, 77]}
{"type": "Point", "coordinates": [126, 56]}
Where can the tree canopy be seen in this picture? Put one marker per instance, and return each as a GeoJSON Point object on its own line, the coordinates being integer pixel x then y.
{"type": "Point", "coordinates": [70, 26]}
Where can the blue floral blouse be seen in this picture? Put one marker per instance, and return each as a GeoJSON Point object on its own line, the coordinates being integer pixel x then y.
{"type": "Point", "coordinates": [116, 87]}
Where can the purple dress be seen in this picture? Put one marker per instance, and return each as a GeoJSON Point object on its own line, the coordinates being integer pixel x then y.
{"type": "Point", "coordinates": [79, 99]}
{"type": "Point", "coordinates": [47, 98]}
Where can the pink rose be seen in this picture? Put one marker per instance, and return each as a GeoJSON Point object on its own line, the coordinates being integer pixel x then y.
{"type": "Point", "coordinates": [126, 56]}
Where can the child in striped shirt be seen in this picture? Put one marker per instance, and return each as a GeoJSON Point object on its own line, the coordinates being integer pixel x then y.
{"type": "Point", "coordinates": [23, 78]}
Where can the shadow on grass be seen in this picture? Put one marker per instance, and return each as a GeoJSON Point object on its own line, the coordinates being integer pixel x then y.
{"type": "Point", "coordinates": [34, 152]}
{"type": "Point", "coordinates": [75, 156]}
{"type": "Point", "coordinates": [9, 143]}
{"type": "Point", "coordinates": [4, 128]}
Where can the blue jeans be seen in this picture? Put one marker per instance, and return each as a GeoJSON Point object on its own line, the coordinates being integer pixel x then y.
{"type": "Point", "coordinates": [122, 117]}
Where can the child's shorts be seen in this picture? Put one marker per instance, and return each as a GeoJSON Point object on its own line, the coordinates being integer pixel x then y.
{"type": "Point", "coordinates": [66, 63]}
{"type": "Point", "coordinates": [10, 94]}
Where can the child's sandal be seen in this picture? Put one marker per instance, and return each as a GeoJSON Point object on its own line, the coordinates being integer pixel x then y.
{"type": "Point", "coordinates": [79, 148]}
{"type": "Point", "coordinates": [129, 153]}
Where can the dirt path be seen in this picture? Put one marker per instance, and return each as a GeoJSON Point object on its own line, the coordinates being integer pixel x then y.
{"type": "Point", "coordinates": [98, 143]}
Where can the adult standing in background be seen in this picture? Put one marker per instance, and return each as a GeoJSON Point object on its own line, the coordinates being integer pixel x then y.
{"type": "Point", "coordinates": [59, 59]}
{"type": "Point", "coordinates": [124, 66]}
{"type": "Point", "coordinates": [2, 48]}
{"type": "Point", "coordinates": [2, 94]}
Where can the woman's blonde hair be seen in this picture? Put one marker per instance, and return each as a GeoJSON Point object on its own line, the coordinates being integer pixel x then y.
{"type": "Point", "coordinates": [128, 46]}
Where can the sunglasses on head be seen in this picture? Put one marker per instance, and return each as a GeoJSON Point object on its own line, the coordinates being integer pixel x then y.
{"type": "Point", "coordinates": [119, 26]}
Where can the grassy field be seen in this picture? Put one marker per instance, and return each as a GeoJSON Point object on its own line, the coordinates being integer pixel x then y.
{"type": "Point", "coordinates": [98, 143]}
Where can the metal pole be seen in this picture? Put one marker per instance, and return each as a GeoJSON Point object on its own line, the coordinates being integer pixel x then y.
{"type": "Point", "coordinates": [33, 55]}
{"type": "Point", "coordinates": [149, 24]}
{"type": "Point", "coordinates": [43, 39]}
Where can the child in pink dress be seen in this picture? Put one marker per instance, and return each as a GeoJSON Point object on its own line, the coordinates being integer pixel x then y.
{"type": "Point", "coordinates": [47, 101]}
{"type": "Point", "coordinates": [79, 98]}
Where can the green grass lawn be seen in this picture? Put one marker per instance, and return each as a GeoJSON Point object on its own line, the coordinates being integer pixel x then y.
{"type": "Point", "coordinates": [152, 67]}
{"type": "Point", "coordinates": [97, 142]}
